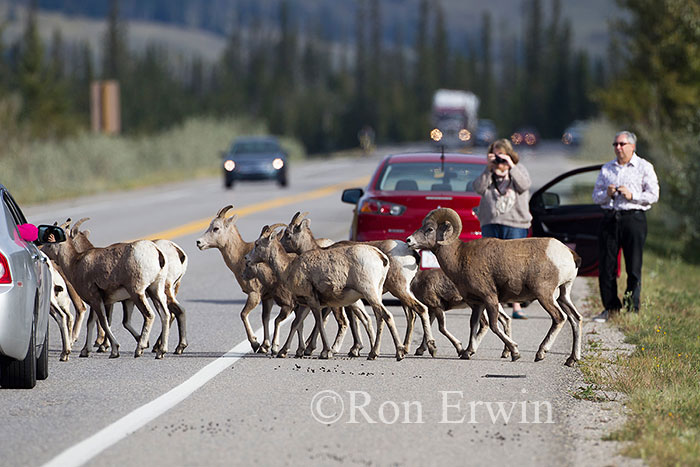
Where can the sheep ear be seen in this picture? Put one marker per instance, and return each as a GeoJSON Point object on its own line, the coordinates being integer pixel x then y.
{"type": "Point", "coordinates": [280, 234]}
{"type": "Point", "coordinates": [306, 223]}
{"type": "Point", "coordinates": [231, 220]}
{"type": "Point", "coordinates": [444, 233]}
{"type": "Point", "coordinates": [86, 233]}
{"type": "Point", "coordinates": [266, 231]}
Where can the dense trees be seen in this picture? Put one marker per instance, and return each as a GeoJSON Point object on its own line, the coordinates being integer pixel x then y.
{"type": "Point", "coordinates": [312, 80]}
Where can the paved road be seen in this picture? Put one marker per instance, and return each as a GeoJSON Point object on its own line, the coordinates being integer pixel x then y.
{"type": "Point", "coordinates": [204, 409]}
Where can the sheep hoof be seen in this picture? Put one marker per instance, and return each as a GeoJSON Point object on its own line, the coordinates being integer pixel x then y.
{"type": "Point", "coordinates": [299, 353]}
{"type": "Point", "coordinates": [354, 352]}
{"type": "Point", "coordinates": [324, 355]}
{"type": "Point", "coordinates": [432, 348]}
{"type": "Point", "coordinates": [179, 349]}
{"type": "Point", "coordinates": [84, 353]}
{"type": "Point", "coordinates": [308, 351]}
{"type": "Point", "coordinates": [465, 355]}
{"type": "Point", "coordinates": [419, 351]}
{"type": "Point", "coordinates": [282, 353]}
{"type": "Point", "coordinates": [263, 349]}
{"type": "Point", "coordinates": [255, 345]}
{"type": "Point", "coordinates": [570, 361]}
{"type": "Point", "coordinates": [63, 358]}
{"type": "Point", "coordinates": [505, 354]}
{"type": "Point", "coordinates": [159, 355]}
{"type": "Point", "coordinates": [101, 349]}
{"type": "Point", "coordinates": [372, 355]}
{"type": "Point", "coordinates": [539, 356]}
{"type": "Point", "coordinates": [514, 357]}
{"type": "Point", "coordinates": [400, 354]}
{"type": "Point", "coordinates": [274, 349]}
{"type": "Point", "coordinates": [114, 354]}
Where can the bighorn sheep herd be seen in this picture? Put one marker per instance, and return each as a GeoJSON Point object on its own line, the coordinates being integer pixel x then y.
{"type": "Point", "coordinates": [287, 266]}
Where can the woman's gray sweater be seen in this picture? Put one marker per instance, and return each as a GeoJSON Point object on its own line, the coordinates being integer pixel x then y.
{"type": "Point", "coordinates": [513, 212]}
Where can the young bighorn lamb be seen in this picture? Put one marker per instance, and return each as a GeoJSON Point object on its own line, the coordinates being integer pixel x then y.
{"type": "Point", "coordinates": [103, 276]}
{"type": "Point", "coordinates": [223, 234]}
{"type": "Point", "coordinates": [436, 291]}
{"type": "Point", "coordinates": [489, 271]}
{"type": "Point", "coordinates": [333, 277]}
{"type": "Point", "coordinates": [403, 266]}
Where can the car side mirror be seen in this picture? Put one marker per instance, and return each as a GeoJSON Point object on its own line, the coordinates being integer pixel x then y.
{"type": "Point", "coordinates": [51, 234]}
{"type": "Point", "coordinates": [550, 200]}
{"type": "Point", "coordinates": [352, 195]}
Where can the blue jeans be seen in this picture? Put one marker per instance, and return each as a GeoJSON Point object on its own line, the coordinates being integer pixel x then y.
{"type": "Point", "coordinates": [502, 231]}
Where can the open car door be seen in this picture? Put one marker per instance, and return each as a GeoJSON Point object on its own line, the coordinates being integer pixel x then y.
{"type": "Point", "coordinates": [564, 209]}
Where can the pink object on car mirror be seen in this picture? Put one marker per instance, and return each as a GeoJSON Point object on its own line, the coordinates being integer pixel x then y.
{"type": "Point", "coordinates": [28, 232]}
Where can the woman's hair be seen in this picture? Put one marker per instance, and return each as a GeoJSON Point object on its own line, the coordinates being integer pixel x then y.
{"type": "Point", "coordinates": [504, 145]}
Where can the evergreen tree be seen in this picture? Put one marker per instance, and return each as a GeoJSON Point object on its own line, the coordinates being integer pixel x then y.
{"type": "Point", "coordinates": [441, 49]}
{"type": "Point", "coordinates": [115, 55]}
{"type": "Point", "coordinates": [486, 88]}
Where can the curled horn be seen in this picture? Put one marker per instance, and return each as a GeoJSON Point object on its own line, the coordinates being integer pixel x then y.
{"type": "Point", "coordinates": [442, 215]}
{"type": "Point", "coordinates": [65, 224]}
{"type": "Point", "coordinates": [298, 217]}
{"type": "Point", "coordinates": [74, 229]}
{"type": "Point", "coordinates": [222, 212]}
{"type": "Point", "coordinates": [268, 229]}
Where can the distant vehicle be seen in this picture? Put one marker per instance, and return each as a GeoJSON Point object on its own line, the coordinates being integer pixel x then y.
{"type": "Point", "coordinates": [255, 158]}
{"type": "Point", "coordinates": [25, 294]}
{"type": "Point", "coordinates": [573, 135]}
{"type": "Point", "coordinates": [485, 132]}
{"type": "Point", "coordinates": [406, 187]}
{"type": "Point", "coordinates": [525, 136]}
{"type": "Point", "coordinates": [454, 114]}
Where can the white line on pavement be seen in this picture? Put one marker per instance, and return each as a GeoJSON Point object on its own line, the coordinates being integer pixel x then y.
{"type": "Point", "coordinates": [85, 450]}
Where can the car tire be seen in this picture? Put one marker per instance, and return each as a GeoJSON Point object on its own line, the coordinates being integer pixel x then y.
{"type": "Point", "coordinates": [42, 363]}
{"type": "Point", "coordinates": [19, 374]}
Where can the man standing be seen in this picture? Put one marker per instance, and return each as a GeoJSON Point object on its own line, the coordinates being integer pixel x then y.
{"type": "Point", "coordinates": [626, 188]}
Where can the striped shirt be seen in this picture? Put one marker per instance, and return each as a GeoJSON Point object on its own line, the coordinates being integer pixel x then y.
{"type": "Point", "coordinates": [637, 176]}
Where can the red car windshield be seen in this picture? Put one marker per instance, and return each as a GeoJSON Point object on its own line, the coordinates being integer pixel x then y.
{"type": "Point", "coordinates": [429, 176]}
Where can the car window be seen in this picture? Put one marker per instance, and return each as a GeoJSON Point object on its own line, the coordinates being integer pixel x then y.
{"type": "Point", "coordinates": [574, 190]}
{"type": "Point", "coordinates": [429, 176]}
{"type": "Point", "coordinates": [255, 147]}
{"type": "Point", "coordinates": [14, 210]}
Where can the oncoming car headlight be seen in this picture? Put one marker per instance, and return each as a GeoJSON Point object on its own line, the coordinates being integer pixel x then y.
{"type": "Point", "coordinates": [277, 163]}
{"type": "Point", "coordinates": [229, 165]}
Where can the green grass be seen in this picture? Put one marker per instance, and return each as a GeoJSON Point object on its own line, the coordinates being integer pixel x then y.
{"type": "Point", "coordinates": [37, 172]}
{"type": "Point", "coordinates": [661, 378]}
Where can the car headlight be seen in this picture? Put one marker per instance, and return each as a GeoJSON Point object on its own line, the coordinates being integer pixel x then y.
{"type": "Point", "coordinates": [229, 165]}
{"type": "Point", "coordinates": [277, 163]}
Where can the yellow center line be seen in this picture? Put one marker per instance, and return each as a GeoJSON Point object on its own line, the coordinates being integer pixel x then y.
{"type": "Point", "coordinates": [202, 224]}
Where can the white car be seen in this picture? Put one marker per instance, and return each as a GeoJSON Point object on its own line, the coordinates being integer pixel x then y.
{"type": "Point", "coordinates": [25, 294]}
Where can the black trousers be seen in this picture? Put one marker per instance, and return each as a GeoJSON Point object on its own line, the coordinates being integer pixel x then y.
{"type": "Point", "coordinates": [626, 230]}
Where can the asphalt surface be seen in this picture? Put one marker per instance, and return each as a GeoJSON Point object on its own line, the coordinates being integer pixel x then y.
{"type": "Point", "coordinates": [249, 408]}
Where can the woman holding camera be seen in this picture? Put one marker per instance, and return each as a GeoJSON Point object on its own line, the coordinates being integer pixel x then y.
{"type": "Point", "coordinates": [504, 185]}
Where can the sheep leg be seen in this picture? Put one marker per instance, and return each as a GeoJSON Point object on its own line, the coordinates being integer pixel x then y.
{"type": "Point", "coordinates": [374, 352]}
{"type": "Point", "coordinates": [128, 308]}
{"type": "Point", "coordinates": [300, 313]}
{"type": "Point", "coordinates": [156, 292]}
{"type": "Point", "coordinates": [358, 309]}
{"type": "Point", "coordinates": [424, 342]}
{"type": "Point", "coordinates": [478, 326]}
{"type": "Point", "coordinates": [376, 305]}
{"type": "Point", "coordinates": [558, 318]}
{"type": "Point", "coordinates": [100, 342]}
{"type": "Point", "coordinates": [356, 337]}
{"type": "Point", "coordinates": [266, 312]}
{"type": "Point", "coordinates": [575, 319]}
{"type": "Point", "coordinates": [410, 323]}
{"type": "Point", "coordinates": [178, 312]}
{"type": "Point", "coordinates": [284, 312]}
{"type": "Point", "coordinates": [80, 309]}
{"type": "Point", "coordinates": [250, 303]}
{"type": "Point", "coordinates": [59, 316]}
{"type": "Point", "coordinates": [422, 311]}
{"type": "Point", "coordinates": [506, 321]}
{"type": "Point", "coordinates": [318, 315]}
{"type": "Point", "coordinates": [342, 320]}
{"type": "Point", "coordinates": [310, 344]}
{"type": "Point", "coordinates": [440, 315]}
{"type": "Point", "coordinates": [148, 318]}
{"type": "Point", "coordinates": [91, 325]}
{"type": "Point", "coordinates": [492, 309]}
{"type": "Point", "coordinates": [102, 317]}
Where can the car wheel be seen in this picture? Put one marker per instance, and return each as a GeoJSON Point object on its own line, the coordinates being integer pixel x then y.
{"type": "Point", "coordinates": [19, 374]}
{"type": "Point", "coordinates": [42, 363]}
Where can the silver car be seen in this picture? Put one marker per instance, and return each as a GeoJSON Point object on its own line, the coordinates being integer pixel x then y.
{"type": "Point", "coordinates": [25, 288]}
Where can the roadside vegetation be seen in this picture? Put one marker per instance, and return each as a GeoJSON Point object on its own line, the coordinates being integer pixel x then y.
{"type": "Point", "coordinates": [37, 171]}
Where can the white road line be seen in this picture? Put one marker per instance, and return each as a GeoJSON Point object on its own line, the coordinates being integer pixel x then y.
{"type": "Point", "coordinates": [87, 449]}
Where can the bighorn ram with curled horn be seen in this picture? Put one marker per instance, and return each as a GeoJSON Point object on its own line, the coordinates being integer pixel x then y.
{"type": "Point", "coordinates": [489, 271]}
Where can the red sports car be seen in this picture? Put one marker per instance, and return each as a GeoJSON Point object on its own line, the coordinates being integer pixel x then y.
{"type": "Point", "coordinates": [406, 187]}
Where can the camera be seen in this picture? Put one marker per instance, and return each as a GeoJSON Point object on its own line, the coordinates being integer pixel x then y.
{"type": "Point", "coordinates": [499, 160]}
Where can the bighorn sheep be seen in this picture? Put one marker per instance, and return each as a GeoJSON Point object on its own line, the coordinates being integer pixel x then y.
{"type": "Point", "coordinates": [223, 234]}
{"type": "Point", "coordinates": [60, 310]}
{"type": "Point", "coordinates": [103, 276]}
{"type": "Point", "coordinates": [489, 271]}
{"type": "Point", "coordinates": [436, 291]}
{"type": "Point", "coordinates": [334, 277]}
{"type": "Point", "coordinates": [403, 267]}
{"type": "Point", "coordinates": [295, 241]}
